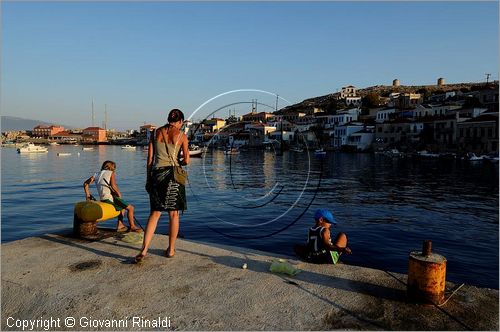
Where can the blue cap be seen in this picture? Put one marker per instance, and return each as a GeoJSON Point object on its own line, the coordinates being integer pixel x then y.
{"type": "Point", "coordinates": [326, 214]}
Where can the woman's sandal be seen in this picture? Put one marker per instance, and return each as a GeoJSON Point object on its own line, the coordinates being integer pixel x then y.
{"type": "Point", "coordinates": [139, 258]}
{"type": "Point", "coordinates": [169, 255]}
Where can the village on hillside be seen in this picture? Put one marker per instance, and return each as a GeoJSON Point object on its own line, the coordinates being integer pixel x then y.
{"type": "Point", "coordinates": [434, 120]}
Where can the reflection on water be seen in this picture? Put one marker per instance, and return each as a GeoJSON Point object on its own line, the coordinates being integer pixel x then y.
{"type": "Point", "coordinates": [386, 206]}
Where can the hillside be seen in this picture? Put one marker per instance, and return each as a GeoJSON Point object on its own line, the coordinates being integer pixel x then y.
{"type": "Point", "coordinates": [11, 123]}
{"type": "Point", "coordinates": [385, 90]}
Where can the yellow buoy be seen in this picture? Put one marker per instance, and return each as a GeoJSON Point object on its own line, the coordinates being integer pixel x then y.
{"type": "Point", "coordinates": [426, 276]}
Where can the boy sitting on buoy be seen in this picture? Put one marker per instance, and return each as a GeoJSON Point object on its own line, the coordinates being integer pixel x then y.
{"type": "Point", "coordinates": [109, 193]}
{"type": "Point", "coordinates": [319, 248]}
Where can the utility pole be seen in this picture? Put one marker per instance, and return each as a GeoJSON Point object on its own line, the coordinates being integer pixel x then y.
{"type": "Point", "coordinates": [487, 78]}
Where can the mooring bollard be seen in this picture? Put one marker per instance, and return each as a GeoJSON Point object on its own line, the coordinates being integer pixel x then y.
{"type": "Point", "coordinates": [426, 276]}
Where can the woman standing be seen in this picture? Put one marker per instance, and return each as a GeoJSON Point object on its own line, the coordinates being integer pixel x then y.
{"type": "Point", "coordinates": [165, 194]}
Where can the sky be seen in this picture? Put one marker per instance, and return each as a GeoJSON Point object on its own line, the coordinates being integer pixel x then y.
{"type": "Point", "coordinates": [141, 59]}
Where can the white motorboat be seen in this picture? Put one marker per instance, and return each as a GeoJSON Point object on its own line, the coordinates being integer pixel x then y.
{"type": "Point", "coordinates": [62, 154]}
{"type": "Point", "coordinates": [128, 147]}
{"type": "Point", "coordinates": [54, 143]}
{"type": "Point", "coordinates": [195, 151]}
{"type": "Point", "coordinates": [87, 149]}
{"type": "Point", "coordinates": [32, 148]}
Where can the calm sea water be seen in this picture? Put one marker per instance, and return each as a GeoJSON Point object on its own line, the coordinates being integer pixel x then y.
{"type": "Point", "coordinates": [265, 201]}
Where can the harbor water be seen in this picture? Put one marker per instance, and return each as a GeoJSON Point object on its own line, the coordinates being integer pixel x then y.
{"type": "Point", "coordinates": [264, 200]}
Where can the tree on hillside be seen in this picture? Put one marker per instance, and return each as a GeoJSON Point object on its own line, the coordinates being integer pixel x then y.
{"type": "Point", "coordinates": [371, 100]}
{"type": "Point", "coordinates": [331, 107]}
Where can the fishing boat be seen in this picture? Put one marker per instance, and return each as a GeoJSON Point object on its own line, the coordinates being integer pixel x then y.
{"type": "Point", "coordinates": [62, 154]}
{"type": "Point", "coordinates": [87, 149]}
{"type": "Point", "coordinates": [32, 148]}
{"type": "Point", "coordinates": [128, 147]}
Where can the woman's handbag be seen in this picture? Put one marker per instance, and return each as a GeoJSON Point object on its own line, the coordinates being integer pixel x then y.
{"type": "Point", "coordinates": [180, 174]}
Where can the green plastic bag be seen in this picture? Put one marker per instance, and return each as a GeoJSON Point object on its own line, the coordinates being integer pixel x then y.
{"type": "Point", "coordinates": [282, 266]}
{"type": "Point", "coordinates": [133, 238]}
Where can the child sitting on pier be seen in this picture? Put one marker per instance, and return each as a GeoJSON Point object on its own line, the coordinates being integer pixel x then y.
{"type": "Point", "coordinates": [109, 193]}
{"type": "Point", "coordinates": [319, 248]}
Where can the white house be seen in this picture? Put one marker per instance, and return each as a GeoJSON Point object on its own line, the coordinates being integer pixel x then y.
{"type": "Point", "coordinates": [343, 132]}
{"type": "Point", "coordinates": [343, 117]}
{"type": "Point", "coordinates": [355, 101]}
{"type": "Point", "coordinates": [383, 115]}
{"type": "Point", "coordinates": [363, 139]}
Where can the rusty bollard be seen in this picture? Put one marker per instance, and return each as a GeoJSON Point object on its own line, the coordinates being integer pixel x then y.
{"type": "Point", "coordinates": [426, 276]}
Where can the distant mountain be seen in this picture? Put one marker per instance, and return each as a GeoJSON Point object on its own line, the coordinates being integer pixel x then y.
{"type": "Point", "coordinates": [15, 123]}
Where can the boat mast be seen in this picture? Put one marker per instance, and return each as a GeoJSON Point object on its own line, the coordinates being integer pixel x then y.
{"type": "Point", "coordinates": [93, 112]}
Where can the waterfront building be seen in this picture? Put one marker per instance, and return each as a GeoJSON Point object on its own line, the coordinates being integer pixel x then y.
{"type": "Point", "coordinates": [263, 128]}
{"type": "Point", "coordinates": [479, 135]}
{"type": "Point", "coordinates": [343, 132]}
{"type": "Point", "coordinates": [362, 140]}
{"type": "Point", "coordinates": [445, 132]}
{"type": "Point", "coordinates": [288, 136]}
{"type": "Point", "coordinates": [46, 131]}
{"type": "Point", "coordinates": [214, 124]}
{"type": "Point", "coordinates": [66, 137]}
{"type": "Point", "coordinates": [94, 135]}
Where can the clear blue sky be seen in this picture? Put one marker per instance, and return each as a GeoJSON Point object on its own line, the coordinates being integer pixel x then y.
{"type": "Point", "coordinates": [142, 59]}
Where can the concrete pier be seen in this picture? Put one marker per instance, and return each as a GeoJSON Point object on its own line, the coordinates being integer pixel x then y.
{"type": "Point", "coordinates": [205, 288]}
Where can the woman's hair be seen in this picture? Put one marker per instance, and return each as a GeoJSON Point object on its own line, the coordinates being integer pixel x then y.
{"type": "Point", "coordinates": [175, 115]}
{"type": "Point", "coordinates": [108, 165]}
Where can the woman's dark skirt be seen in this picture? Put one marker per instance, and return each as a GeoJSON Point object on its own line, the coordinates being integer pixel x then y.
{"type": "Point", "coordinates": [166, 194]}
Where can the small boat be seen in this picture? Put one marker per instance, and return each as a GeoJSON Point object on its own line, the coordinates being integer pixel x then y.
{"type": "Point", "coordinates": [62, 154]}
{"type": "Point", "coordinates": [87, 149]}
{"type": "Point", "coordinates": [393, 153]}
{"type": "Point", "coordinates": [32, 148]}
{"type": "Point", "coordinates": [232, 151]}
{"type": "Point", "coordinates": [195, 151]}
{"type": "Point", "coordinates": [128, 147]}
{"type": "Point", "coordinates": [472, 157]}
{"type": "Point", "coordinates": [54, 143]}
{"type": "Point", "coordinates": [425, 154]}
{"type": "Point", "coordinates": [296, 149]}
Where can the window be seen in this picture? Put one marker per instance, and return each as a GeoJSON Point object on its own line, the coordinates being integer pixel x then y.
{"type": "Point", "coordinates": [461, 132]}
{"type": "Point", "coordinates": [490, 132]}
{"type": "Point", "coordinates": [482, 132]}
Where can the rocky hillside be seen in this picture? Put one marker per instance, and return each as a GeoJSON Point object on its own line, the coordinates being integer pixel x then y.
{"type": "Point", "coordinates": [385, 90]}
